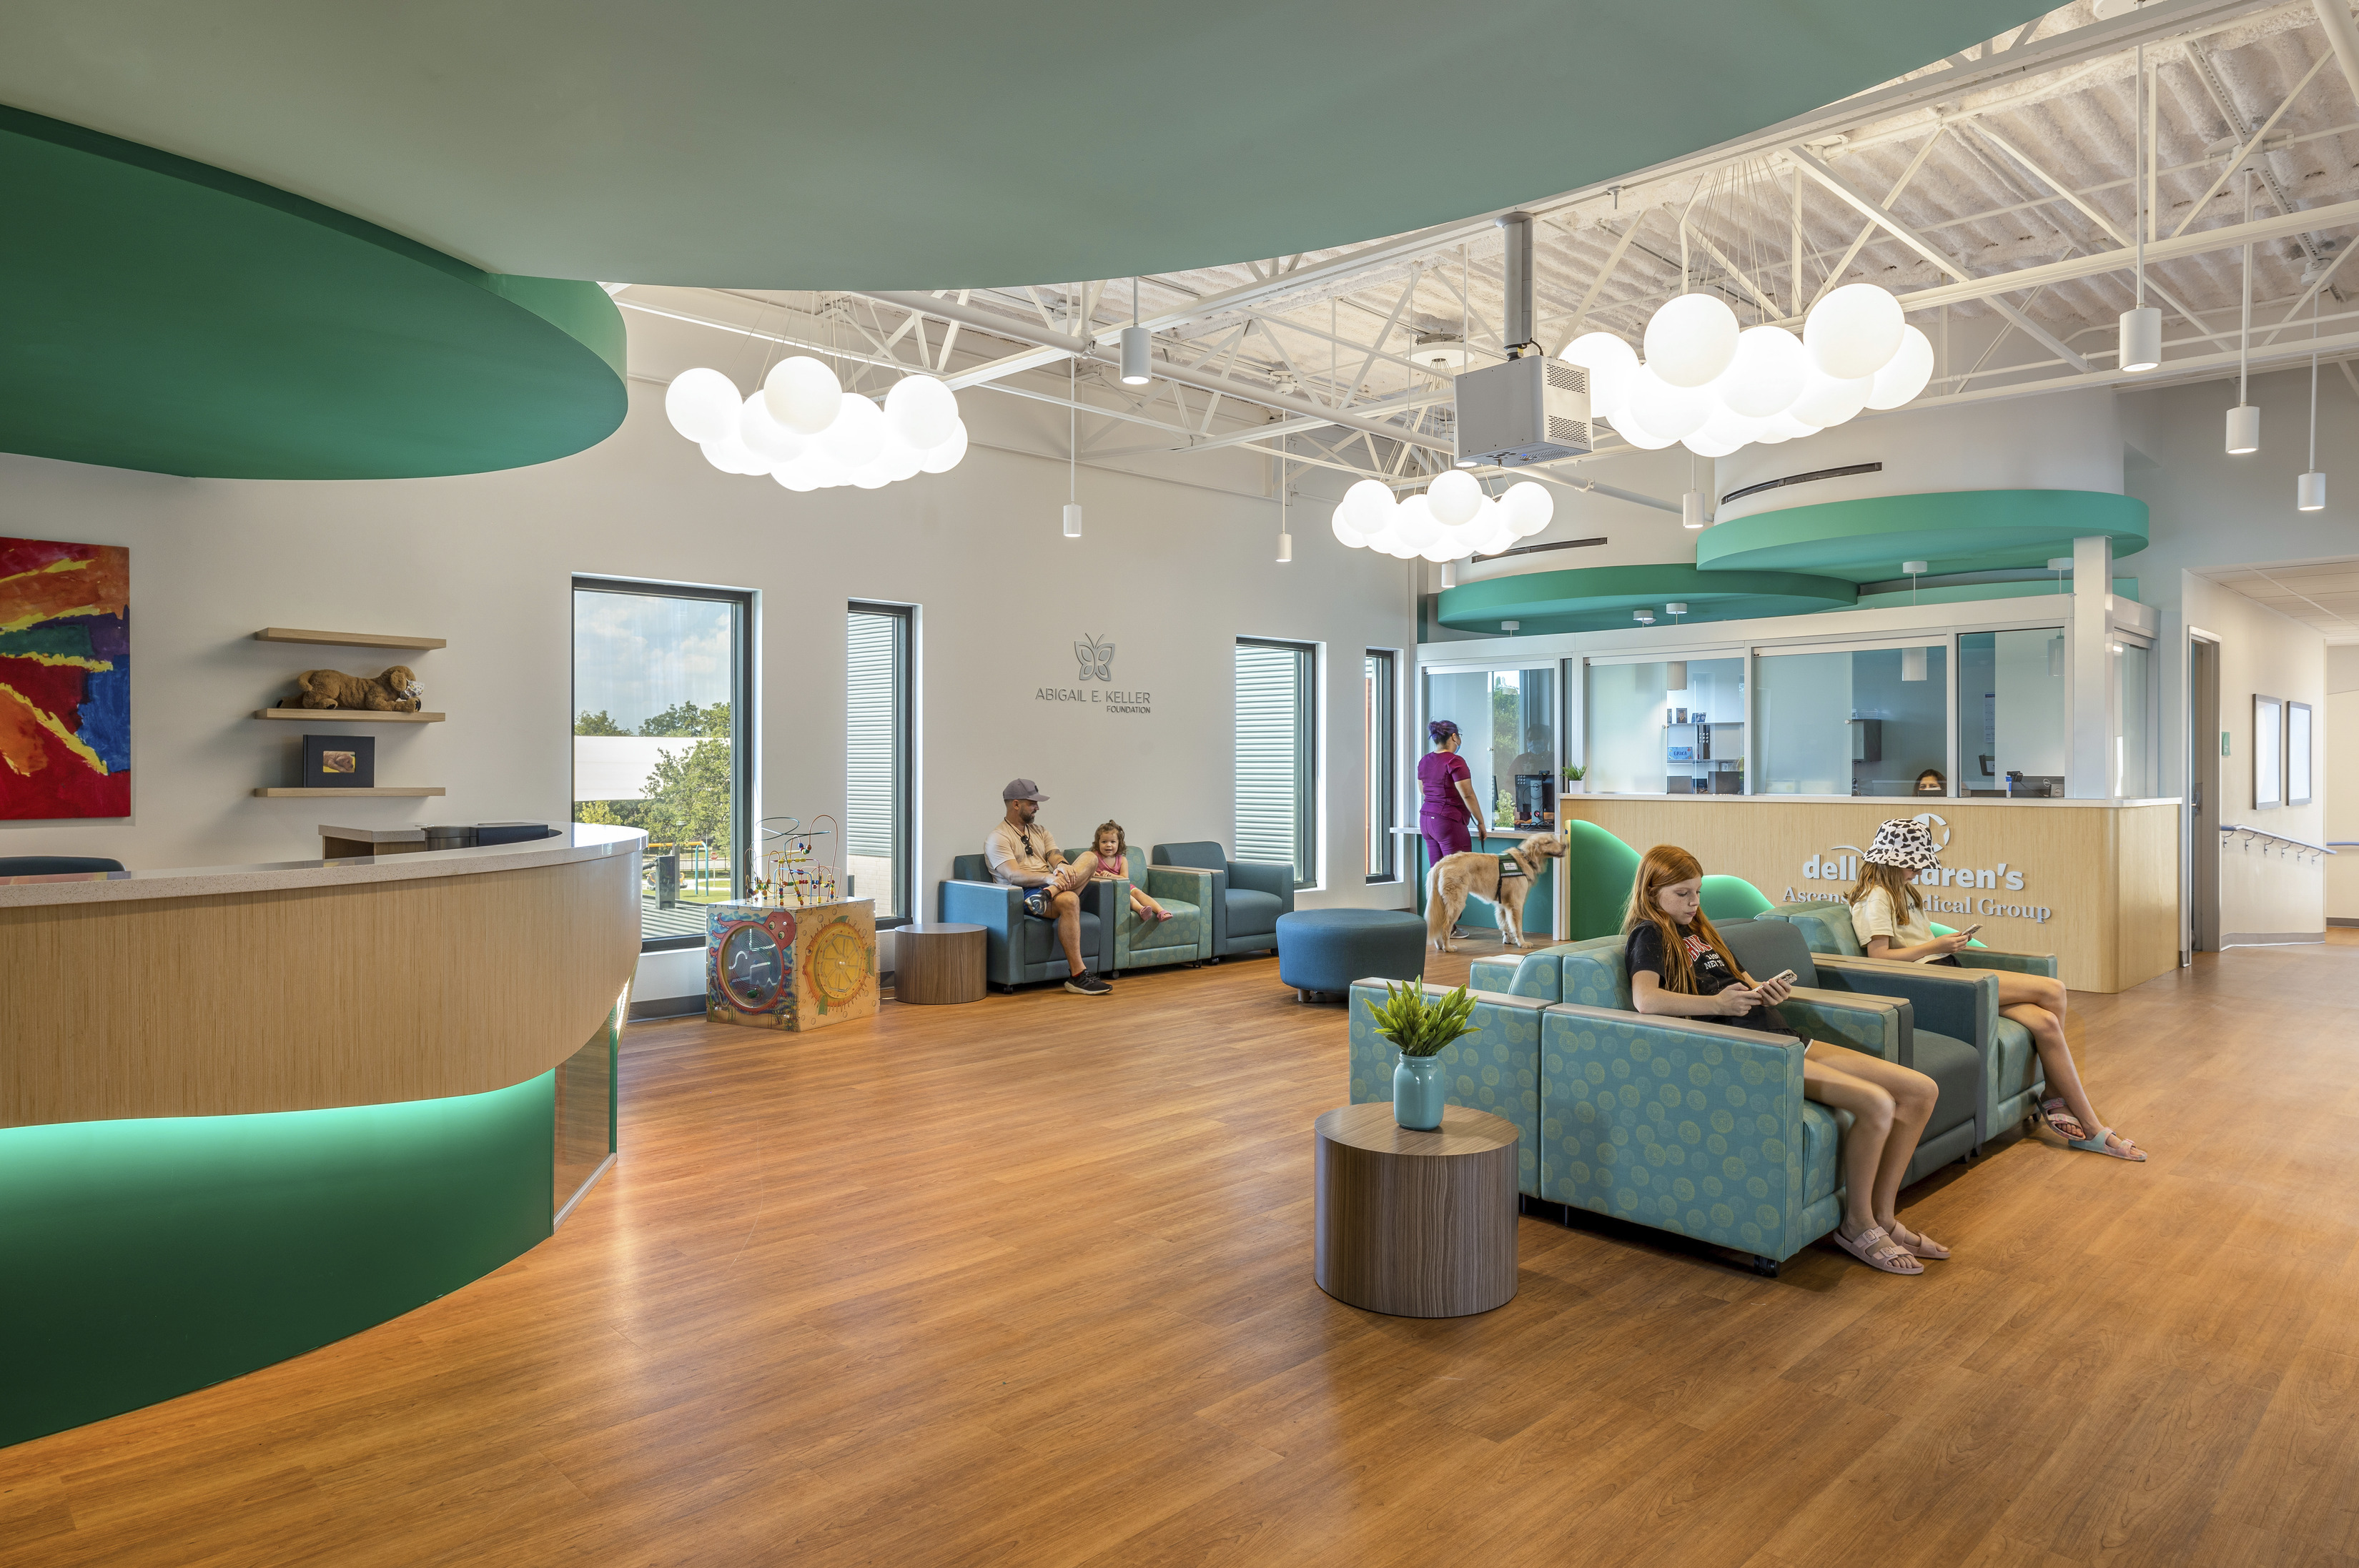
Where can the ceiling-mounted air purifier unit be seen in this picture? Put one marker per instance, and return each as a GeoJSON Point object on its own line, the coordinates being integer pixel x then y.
{"type": "Point", "coordinates": [1534, 408]}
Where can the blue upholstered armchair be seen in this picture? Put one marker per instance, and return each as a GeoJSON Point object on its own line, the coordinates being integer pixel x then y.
{"type": "Point", "coordinates": [1020, 948]}
{"type": "Point", "coordinates": [1184, 938]}
{"type": "Point", "coordinates": [1246, 898]}
{"type": "Point", "coordinates": [1962, 1003]}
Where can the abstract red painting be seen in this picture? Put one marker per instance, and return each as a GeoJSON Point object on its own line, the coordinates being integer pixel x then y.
{"type": "Point", "coordinates": [65, 679]}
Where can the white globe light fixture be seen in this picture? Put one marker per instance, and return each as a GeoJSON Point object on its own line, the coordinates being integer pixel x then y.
{"type": "Point", "coordinates": [1767, 374]}
{"type": "Point", "coordinates": [1826, 401]}
{"type": "Point", "coordinates": [1853, 333]}
{"type": "Point", "coordinates": [923, 410]}
{"type": "Point", "coordinates": [1611, 363]}
{"type": "Point", "coordinates": [702, 405]}
{"type": "Point", "coordinates": [944, 458]}
{"type": "Point", "coordinates": [1415, 525]}
{"type": "Point", "coordinates": [1692, 340]}
{"type": "Point", "coordinates": [857, 436]}
{"type": "Point", "coordinates": [1350, 538]}
{"type": "Point", "coordinates": [1908, 373]}
{"type": "Point", "coordinates": [1528, 507]}
{"type": "Point", "coordinates": [803, 395]}
{"type": "Point", "coordinates": [764, 437]}
{"type": "Point", "coordinates": [730, 456]}
{"type": "Point", "coordinates": [1453, 498]}
{"type": "Point", "coordinates": [1670, 412]}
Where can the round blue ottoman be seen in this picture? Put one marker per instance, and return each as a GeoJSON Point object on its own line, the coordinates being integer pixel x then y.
{"type": "Point", "coordinates": [1324, 950]}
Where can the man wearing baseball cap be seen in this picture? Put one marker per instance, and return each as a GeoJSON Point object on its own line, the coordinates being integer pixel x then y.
{"type": "Point", "coordinates": [1022, 854]}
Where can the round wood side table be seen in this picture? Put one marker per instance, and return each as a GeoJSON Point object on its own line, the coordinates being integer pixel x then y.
{"type": "Point", "coordinates": [938, 961]}
{"type": "Point", "coordinates": [1416, 1224]}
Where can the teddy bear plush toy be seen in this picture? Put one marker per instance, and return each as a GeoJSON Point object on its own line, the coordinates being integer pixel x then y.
{"type": "Point", "coordinates": [395, 691]}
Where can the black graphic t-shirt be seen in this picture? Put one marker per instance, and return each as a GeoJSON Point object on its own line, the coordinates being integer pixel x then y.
{"type": "Point", "coordinates": [1643, 951]}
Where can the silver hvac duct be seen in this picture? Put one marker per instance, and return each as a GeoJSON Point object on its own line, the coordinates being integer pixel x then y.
{"type": "Point", "coordinates": [1518, 334]}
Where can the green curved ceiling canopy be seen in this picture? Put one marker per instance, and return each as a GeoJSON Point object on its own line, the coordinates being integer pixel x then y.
{"type": "Point", "coordinates": [911, 144]}
{"type": "Point", "coordinates": [169, 317]}
{"type": "Point", "coordinates": [1604, 599]}
{"type": "Point", "coordinates": [1951, 531]}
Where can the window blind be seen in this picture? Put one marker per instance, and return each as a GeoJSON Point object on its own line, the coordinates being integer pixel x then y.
{"type": "Point", "coordinates": [1276, 797]}
{"type": "Point", "coordinates": [871, 734]}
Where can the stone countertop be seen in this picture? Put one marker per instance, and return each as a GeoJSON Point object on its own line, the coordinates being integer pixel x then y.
{"type": "Point", "coordinates": [576, 841]}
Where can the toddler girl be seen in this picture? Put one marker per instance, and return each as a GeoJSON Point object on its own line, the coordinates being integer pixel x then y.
{"type": "Point", "coordinates": [1114, 860]}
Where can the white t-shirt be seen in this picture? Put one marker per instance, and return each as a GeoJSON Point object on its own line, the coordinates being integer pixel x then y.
{"type": "Point", "coordinates": [1872, 917]}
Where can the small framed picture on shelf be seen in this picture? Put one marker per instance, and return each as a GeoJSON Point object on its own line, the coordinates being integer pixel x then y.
{"type": "Point", "coordinates": [339, 762]}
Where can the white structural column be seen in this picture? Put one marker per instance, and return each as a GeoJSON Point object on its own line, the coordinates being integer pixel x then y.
{"type": "Point", "coordinates": [2089, 687]}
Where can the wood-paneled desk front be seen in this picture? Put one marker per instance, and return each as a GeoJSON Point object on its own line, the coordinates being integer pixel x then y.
{"type": "Point", "coordinates": [248, 1109]}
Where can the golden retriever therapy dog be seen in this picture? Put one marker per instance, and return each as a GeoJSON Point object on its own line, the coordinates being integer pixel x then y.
{"type": "Point", "coordinates": [1474, 872]}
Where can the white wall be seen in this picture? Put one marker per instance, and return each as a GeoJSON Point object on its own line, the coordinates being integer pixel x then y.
{"type": "Point", "coordinates": [1171, 572]}
{"type": "Point", "coordinates": [2339, 769]}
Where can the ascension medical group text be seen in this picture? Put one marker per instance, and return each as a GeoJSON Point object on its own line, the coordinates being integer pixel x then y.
{"type": "Point", "coordinates": [1845, 869]}
{"type": "Point", "coordinates": [1112, 701]}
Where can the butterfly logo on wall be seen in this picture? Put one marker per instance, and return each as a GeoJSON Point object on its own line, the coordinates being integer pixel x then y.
{"type": "Point", "coordinates": [1097, 659]}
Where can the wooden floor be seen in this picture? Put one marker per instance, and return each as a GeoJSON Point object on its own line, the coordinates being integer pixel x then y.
{"type": "Point", "coordinates": [1029, 1283]}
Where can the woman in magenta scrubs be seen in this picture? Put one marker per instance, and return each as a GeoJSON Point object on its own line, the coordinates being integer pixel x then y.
{"type": "Point", "coordinates": [1448, 803]}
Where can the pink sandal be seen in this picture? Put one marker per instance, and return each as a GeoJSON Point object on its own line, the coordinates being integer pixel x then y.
{"type": "Point", "coordinates": [1873, 1247]}
{"type": "Point", "coordinates": [1924, 1246]}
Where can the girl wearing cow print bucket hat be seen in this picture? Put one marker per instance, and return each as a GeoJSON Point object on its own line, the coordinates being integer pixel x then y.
{"type": "Point", "coordinates": [1887, 915]}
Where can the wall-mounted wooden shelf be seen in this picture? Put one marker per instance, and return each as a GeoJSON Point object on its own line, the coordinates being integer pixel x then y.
{"type": "Point", "coordinates": [346, 639]}
{"type": "Point", "coordinates": [344, 794]}
{"type": "Point", "coordinates": [347, 715]}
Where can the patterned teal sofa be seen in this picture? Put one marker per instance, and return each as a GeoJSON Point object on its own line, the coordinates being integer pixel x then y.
{"type": "Point", "coordinates": [1960, 1003]}
{"type": "Point", "coordinates": [1689, 1127]}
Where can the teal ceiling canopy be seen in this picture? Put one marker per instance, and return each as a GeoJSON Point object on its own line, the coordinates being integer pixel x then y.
{"type": "Point", "coordinates": [166, 316]}
{"type": "Point", "coordinates": [1606, 599]}
{"type": "Point", "coordinates": [1951, 531]}
{"type": "Point", "coordinates": [907, 144]}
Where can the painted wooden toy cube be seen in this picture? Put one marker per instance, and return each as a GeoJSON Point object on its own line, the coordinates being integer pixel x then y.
{"type": "Point", "coordinates": [794, 968]}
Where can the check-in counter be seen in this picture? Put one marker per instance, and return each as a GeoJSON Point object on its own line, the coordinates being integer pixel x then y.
{"type": "Point", "coordinates": [2094, 882]}
{"type": "Point", "coordinates": [245, 1110]}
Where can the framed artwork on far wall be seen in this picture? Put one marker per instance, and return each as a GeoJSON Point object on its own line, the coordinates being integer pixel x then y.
{"type": "Point", "coordinates": [65, 680]}
{"type": "Point", "coordinates": [2269, 751]}
{"type": "Point", "coordinates": [339, 762]}
{"type": "Point", "coordinates": [2296, 770]}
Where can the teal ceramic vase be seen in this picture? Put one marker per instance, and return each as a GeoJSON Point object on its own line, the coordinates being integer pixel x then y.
{"type": "Point", "coordinates": [1417, 1093]}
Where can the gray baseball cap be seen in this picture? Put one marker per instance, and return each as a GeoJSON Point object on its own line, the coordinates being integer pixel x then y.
{"type": "Point", "coordinates": [1021, 789]}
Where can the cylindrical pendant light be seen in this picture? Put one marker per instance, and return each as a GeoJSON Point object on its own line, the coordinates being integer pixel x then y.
{"type": "Point", "coordinates": [1912, 663]}
{"type": "Point", "coordinates": [1072, 450]}
{"type": "Point", "coordinates": [1073, 520]}
{"type": "Point", "coordinates": [1675, 674]}
{"type": "Point", "coordinates": [2141, 328]}
{"type": "Point", "coordinates": [2245, 420]}
{"type": "Point", "coordinates": [1134, 344]}
{"type": "Point", "coordinates": [2309, 490]}
{"type": "Point", "coordinates": [1450, 574]}
{"type": "Point", "coordinates": [1691, 509]}
{"type": "Point", "coordinates": [1285, 539]}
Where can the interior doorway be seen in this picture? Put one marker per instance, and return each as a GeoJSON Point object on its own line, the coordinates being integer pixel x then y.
{"type": "Point", "coordinates": [2204, 739]}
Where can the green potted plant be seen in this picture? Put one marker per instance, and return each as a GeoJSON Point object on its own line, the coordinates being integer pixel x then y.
{"type": "Point", "coordinates": [1422, 1027]}
{"type": "Point", "coordinates": [1572, 777]}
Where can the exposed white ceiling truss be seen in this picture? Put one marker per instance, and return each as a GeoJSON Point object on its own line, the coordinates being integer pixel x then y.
{"type": "Point", "coordinates": [1998, 193]}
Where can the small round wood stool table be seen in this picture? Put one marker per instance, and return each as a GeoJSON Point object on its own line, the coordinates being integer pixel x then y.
{"type": "Point", "coordinates": [1416, 1224]}
{"type": "Point", "coordinates": [938, 961]}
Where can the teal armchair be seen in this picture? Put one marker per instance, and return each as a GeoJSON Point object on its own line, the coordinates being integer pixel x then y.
{"type": "Point", "coordinates": [1186, 938]}
{"type": "Point", "coordinates": [1961, 1003]}
{"type": "Point", "coordinates": [1247, 896]}
{"type": "Point", "coordinates": [1495, 1068]}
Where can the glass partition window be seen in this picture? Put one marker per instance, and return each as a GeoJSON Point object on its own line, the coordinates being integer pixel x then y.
{"type": "Point", "coordinates": [2011, 738]}
{"type": "Point", "coordinates": [2133, 757]}
{"type": "Point", "coordinates": [1673, 726]}
{"type": "Point", "coordinates": [661, 681]}
{"type": "Point", "coordinates": [1506, 727]}
{"type": "Point", "coordinates": [1864, 722]}
{"type": "Point", "coordinates": [1376, 762]}
{"type": "Point", "coordinates": [878, 735]}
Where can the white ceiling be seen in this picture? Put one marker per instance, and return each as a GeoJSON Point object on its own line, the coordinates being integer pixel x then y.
{"type": "Point", "coordinates": [2323, 594]}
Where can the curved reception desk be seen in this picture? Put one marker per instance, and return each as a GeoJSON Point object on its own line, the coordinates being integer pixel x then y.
{"type": "Point", "coordinates": [245, 1110]}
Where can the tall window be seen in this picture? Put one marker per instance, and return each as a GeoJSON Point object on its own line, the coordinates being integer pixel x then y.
{"type": "Point", "coordinates": [1277, 754]}
{"type": "Point", "coordinates": [2011, 732]}
{"type": "Point", "coordinates": [662, 732]}
{"type": "Point", "coordinates": [878, 729]}
{"type": "Point", "coordinates": [1376, 744]}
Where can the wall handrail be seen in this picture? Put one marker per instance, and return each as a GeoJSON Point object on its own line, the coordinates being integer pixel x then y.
{"type": "Point", "coordinates": [2282, 838]}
